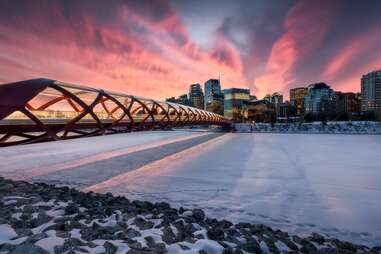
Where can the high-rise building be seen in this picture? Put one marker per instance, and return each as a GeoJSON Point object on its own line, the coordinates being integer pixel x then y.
{"type": "Point", "coordinates": [297, 96]}
{"type": "Point", "coordinates": [346, 103]}
{"type": "Point", "coordinates": [317, 96]}
{"type": "Point", "coordinates": [267, 98]}
{"type": "Point", "coordinates": [234, 99]}
{"type": "Point", "coordinates": [182, 99]}
{"type": "Point", "coordinates": [371, 91]}
{"type": "Point", "coordinates": [258, 111]}
{"type": "Point", "coordinates": [285, 111]}
{"type": "Point", "coordinates": [276, 98]}
{"type": "Point", "coordinates": [196, 96]}
{"type": "Point", "coordinates": [213, 97]}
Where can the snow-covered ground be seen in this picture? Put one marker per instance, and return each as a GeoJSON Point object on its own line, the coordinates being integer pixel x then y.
{"type": "Point", "coordinates": [355, 127]}
{"type": "Point", "coordinates": [329, 184]}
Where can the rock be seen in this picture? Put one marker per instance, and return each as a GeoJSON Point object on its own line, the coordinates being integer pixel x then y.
{"type": "Point", "coordinates": [135, 245]}
{"type": "Point", "coordinates": [41, 219]}
{"type": "Point", "coordinates": [198, 214]}
{"type": "Point", "coordinates": [307, 247]}
{"type": "Point", "coordinates": [199, 236]}
{"type": "Point", "coordinates": [36, 237]}
{"type": "Point", "coordinates": [59, 249]}
{"type": "Point", "coordinates": [58, 227]}
{"type": "Point", "coordinates": [327, 250]}
{"type": "Point", "coordinates": [162, 206]}
{"type": "Point", "coordinates": [110, 248]}
{"type": "Point", "coordinates": [376, 250]}
{"type": "Point", "coordinates": [251, 246]}
{"type": "Point", "coordinates": [131, 233]}
{"type": "Point", "coordinates": [6, 187]}
{"type": "Point", "coordinates": [345, 246]}
{"type": "Point", "coordinates": [71, 208]}
{"type": "Point", "coordinates": [6, 247]}
{"type": "Point", "coordinates": [157, 247]}
{"type": "Point", "coordinates": [183, 247]}
{"type": "Point", "coordinates": [216, 234]}
{"type": "Point", "coordinates": [168, 236]}
{"type": "Point", "coordinates": [134, 251]}
{"type": "Point", "coordinates": [316, 238]}
{"type": "Point", "coordinates": [143, 224]}
{"type": "Point", "coordinates": [28, 248]}
{"type": "Point", "coordinates": [160, 248]}
{"type": "Point", "coordinates": [30, 209]}
{"type": "Point", "coordinates": [230, 250]}
{"type": "Point", "coordinates": [290, 244]}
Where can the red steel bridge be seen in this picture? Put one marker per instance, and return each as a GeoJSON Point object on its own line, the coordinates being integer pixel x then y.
{"type": "Point", "coordinates": [42, 110]}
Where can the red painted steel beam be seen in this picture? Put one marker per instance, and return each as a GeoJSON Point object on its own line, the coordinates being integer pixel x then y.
{"type": "Point", "coordinates": [120, 112]}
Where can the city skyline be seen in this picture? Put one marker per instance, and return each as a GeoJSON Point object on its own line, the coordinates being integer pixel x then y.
{"type": "Point", "coordinates": [157, 48]}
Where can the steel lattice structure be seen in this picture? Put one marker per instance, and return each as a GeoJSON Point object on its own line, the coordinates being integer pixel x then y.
{"type": "Point", "coordinates": [43, 109]}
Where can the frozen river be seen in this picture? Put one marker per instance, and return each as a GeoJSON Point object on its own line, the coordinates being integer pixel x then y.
{"type": "Point", "coordinates": [329, 184]}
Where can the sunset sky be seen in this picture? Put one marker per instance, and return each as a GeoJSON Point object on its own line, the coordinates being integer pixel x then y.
{"type": "Point", "coordinates": [157, 48]}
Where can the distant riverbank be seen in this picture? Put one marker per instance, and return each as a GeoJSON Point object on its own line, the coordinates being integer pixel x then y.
{"type": "Point", "coordinates": [361, 127]}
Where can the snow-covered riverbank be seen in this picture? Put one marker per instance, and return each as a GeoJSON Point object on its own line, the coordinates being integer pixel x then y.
{"type": "Point", "coordinates": [314, 127]}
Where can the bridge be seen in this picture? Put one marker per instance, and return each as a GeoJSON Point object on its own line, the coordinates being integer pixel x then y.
{"type": "Point", "coordinates": [44, 110]}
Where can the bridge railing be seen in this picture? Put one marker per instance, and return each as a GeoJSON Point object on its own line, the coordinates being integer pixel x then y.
{"type": "Point", "coordinates": [43, 109]}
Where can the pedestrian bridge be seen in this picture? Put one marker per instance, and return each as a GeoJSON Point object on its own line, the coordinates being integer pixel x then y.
{"type": "Point", "coordinates": [42, 109]}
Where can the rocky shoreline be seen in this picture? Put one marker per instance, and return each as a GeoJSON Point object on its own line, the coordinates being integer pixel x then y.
{"type": "Point", "coordinates": [41, 218]}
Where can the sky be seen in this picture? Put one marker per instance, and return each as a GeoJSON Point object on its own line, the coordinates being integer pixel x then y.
{"type": "Point", "coordinates": [156, 49]}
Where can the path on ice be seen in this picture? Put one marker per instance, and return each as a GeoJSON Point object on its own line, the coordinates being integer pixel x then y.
{"type": "Point", "coordinates": [91, 173]}
{"type": "Point", "coordinates": [28, 161]}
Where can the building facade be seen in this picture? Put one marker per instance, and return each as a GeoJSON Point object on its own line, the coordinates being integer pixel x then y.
{"type": "Point", "coordinates": [317, 97]}
{"type": "Point", "coordinates": [285, 112]}
{"type": "Point", "coordinates": [371, 91]}
{"type": "Point", "coordinates": [297, 96]}
{"type": "Point", "coordinates": [196, 96]}
{"type": "Point", "coordinates": [182, 99]}
{"type": "Point", "coordinates": [276, 98]}
{"type": "Point", "coordinates": [259, 111]}
{"type": "Point", "coordinates": [347, 103]}
{"type": "Point", "coordinates": [234, 98]}
{"type": "Point", "coordinates": [213, 97]}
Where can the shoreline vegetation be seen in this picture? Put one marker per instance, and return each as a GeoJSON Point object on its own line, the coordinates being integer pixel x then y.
{"type": "Point", "coordinates": [42, 218]}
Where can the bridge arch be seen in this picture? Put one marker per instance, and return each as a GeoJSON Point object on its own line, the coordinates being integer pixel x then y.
{"type": "Point", "coordinates": [43, 109]}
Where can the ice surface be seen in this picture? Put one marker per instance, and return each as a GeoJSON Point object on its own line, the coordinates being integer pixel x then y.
{"type": "Point", "coordinates": [329, 184]}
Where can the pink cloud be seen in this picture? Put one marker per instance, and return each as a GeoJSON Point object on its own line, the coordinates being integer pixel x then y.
{"type": "Point", "coordinates": [347, 66]}
{"type": "Point", "coordinates": [305, 26]}
{"type": "Point", "coordinates": [133, 53]}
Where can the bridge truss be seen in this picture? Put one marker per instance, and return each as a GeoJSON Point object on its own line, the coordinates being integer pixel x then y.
{"type": "Point", "coordinates": [42, 109]}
